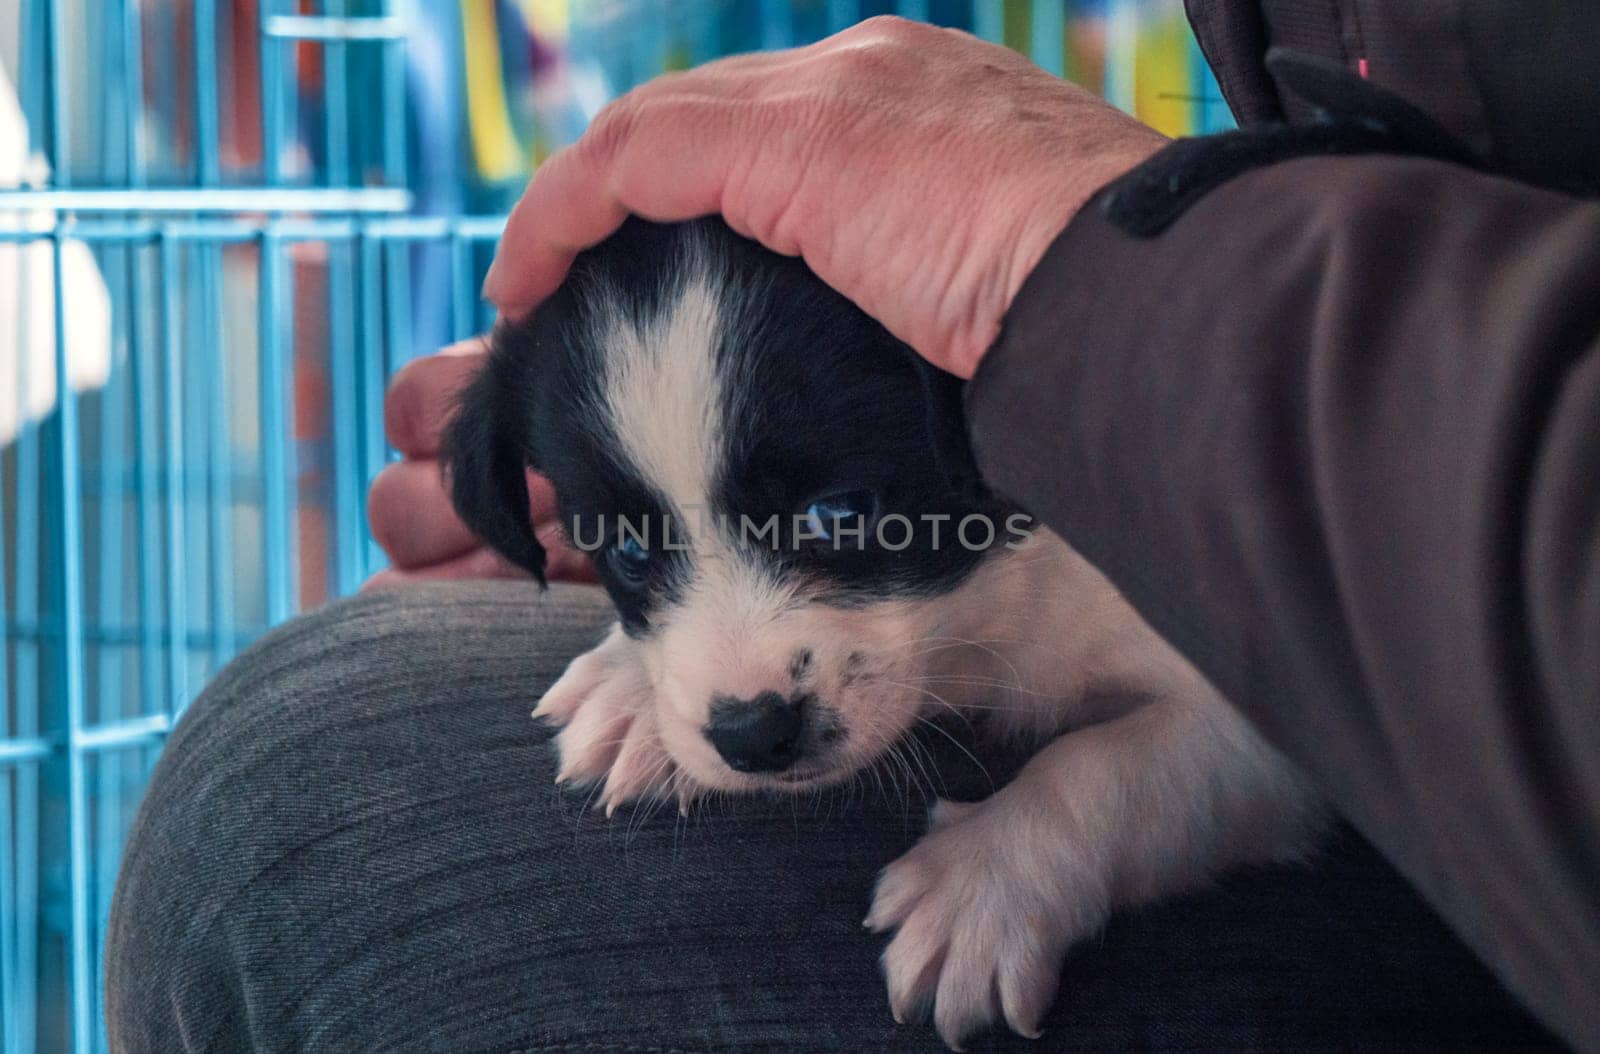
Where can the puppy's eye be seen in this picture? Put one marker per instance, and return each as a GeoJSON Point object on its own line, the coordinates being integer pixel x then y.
{"type": "Point", "coordinates": [845, 512]}
{"type": "Point", "coordinates": [630, 561]}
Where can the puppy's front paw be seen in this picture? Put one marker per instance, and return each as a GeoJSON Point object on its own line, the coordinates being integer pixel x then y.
{"type": "Point", "coordinates": [983, 910]}
{"type": "Point", "coordinates": [606, 705]}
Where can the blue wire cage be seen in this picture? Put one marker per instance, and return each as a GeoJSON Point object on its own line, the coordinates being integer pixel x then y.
{"type": "Point", "coordinates": [223, 226]}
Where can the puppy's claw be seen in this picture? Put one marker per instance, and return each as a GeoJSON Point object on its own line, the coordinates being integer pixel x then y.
{"type": "Point", "coordinates": [963, 1005]}
{"type": "Point", "coordinates": [588, 676]}
{"type": "Point", "coordinates": [1027, 982]}
{"type": "Point", "coordinates": [583, 759]}
{"type": "Point", "coordinates": [559, 703]}
{"type": "Point", "coordinates": [976, 938]}
{"type": "Point", "coordinates": [641, 767]}
{"type": "Point", "coordinates": [911, 966]}
{"type": "Point", "coordinates": [899, 889]}
{"type": "Point", "coordinates": [611, 800]}
{"type": "Point", "coordinates": [605, 705]}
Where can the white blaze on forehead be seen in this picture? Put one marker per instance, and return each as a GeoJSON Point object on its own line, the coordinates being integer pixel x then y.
{"type": "Point", "coordinates": [663, 396]}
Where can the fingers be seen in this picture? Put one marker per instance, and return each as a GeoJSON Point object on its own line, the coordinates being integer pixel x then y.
{"type": "Point", "coordinates": [563, 565]}
{"type": "Point", "coordinates": [479, 563]}
{"type": "Point", "coordinates": [562, 562]}
{"type": "Point", "coordinates": [422, 397]}
{"type": "Point", "coordinates": [411, 516]}
{"type": "Point", "coordinates": [409, 507]}
{"type": "Point", "coordinates": [688, 156]}
{"type": "Point", "coordinates": [566, 208]}
{"type": "Point", "coordinates": [412, 519]}
{"type": "Point", "coordinates": [542, 507]}
{"type": "Point", "coordinates": [664, 151]}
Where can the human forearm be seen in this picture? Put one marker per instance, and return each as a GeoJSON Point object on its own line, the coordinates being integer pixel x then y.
{"type": "Point", "coordinates": [1336, 432]}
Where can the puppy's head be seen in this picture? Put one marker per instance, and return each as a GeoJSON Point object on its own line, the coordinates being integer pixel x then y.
{"type": "Point", "coordinates": [778, 495]}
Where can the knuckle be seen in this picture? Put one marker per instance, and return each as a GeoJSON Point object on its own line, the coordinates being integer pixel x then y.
{"type": "Point", "coordinates": [402, 406]}
{"type": "Point", "coordinates": [890, 54]}
{"type": "Point", "coordinates": [422, 399]}
{"type": "Point", "coordinates": [609, 132]}
{"type": "Point", "coordinates": [893, 27]}
{"type": "Point", "coordinates": [384, 525]}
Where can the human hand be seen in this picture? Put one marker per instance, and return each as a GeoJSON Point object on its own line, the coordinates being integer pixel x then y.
{"type": "Point", "coordinates": [919, 171]}
{"type": "Point", "coordinates": [408, 505]}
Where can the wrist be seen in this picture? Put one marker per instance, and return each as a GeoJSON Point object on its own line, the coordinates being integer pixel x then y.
{"type": "Point", "coordinates": [1041, 217]}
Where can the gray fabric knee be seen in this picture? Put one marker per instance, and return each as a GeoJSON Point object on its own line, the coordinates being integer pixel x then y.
{"type": "Point", "coordinates": [377, 689]}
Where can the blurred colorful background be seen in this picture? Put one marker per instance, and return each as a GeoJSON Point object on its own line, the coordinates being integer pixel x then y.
{"type": "Point", "coordinates": [223, 226]}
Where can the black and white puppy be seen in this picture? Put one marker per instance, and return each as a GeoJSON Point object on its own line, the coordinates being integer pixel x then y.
{"type": "Point", "coordinates": [783, 506]}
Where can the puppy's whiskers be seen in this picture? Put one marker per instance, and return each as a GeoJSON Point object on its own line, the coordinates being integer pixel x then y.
{"type": "Point", "coordinates": [987, 776]}
{"type": "Point", "coordinates": [959, 711]}
{"type": "Point", "coordinates": [979, 682]}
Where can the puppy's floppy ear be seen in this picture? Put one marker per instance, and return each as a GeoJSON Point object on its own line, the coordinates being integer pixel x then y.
{"type": "Point", "coordinates": [486, 452]}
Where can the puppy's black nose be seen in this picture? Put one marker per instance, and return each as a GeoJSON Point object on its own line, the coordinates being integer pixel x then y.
{"type": "Point", "coordinates": [756, 735]}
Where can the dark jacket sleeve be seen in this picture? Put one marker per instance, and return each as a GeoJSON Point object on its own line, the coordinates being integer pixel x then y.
{"type": "Point", "coordinates": [1336, 433]}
